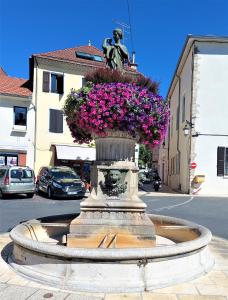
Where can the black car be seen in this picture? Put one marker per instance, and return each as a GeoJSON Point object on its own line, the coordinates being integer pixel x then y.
{"type": "Point", "coordinates": [60, 182]}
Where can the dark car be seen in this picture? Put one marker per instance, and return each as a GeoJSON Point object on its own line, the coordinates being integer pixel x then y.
{"type": "Point", "coordinates": [60, 182]}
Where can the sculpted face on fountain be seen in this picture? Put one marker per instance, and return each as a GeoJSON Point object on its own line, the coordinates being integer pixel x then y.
{"type": "Point", "coordinates": [114, 184]}
{"type": "Point", "coordinates": [113, 178]}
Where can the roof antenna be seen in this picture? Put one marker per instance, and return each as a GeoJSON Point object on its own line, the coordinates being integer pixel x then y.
{"type": "Point", "coordinates": [89, 43]}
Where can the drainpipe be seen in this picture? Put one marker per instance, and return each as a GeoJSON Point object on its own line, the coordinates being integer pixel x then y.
{"type": "Point", "coordinates": [190, 142]}
{"type": "Point", "coordinates": [169, 99]}
{"type": "Point", "coordinates": [178, 134]}
{"type": "Point", "coordinates": [35, 129]}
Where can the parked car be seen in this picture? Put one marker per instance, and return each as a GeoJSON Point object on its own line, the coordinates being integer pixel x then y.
{"type": "Point", "coordinates": [16, 180]}
{"type": "Point", "coordinates": [60, 182]}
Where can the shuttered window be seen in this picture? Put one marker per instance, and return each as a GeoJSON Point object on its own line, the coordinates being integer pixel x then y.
{"type": "Point", "coordinates": [57, 83]}
{"type": "Point", "coordinates": [56, 121]}
{"type": "Point", "coordinates": [46, 84]}
{"type": "Point", "coordinates": [226, 162]}
{"type": "Point", "coordinates": [222, 161]}
{"type": "Point", "coordinates": [52, 83]}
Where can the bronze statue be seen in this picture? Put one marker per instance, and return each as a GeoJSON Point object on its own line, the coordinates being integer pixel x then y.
{"type": "Point", "coordinates": [116, 54]}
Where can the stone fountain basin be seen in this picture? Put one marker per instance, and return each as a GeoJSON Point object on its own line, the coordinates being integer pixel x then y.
{"type": "Point", "coordinates": [39, 253]}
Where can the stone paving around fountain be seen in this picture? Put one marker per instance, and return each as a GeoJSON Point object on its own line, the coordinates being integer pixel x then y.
{"type": "Point", "coordinates": [213, 286]}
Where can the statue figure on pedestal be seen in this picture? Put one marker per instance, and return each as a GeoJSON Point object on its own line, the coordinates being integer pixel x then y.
{"type": "Point", "coordinates": [116, 54]}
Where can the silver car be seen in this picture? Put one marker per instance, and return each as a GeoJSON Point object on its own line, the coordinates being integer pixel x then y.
{"type": "Point", "coordinates": [16, 180]}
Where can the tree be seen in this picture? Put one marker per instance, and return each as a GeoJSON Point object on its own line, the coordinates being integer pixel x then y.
{"type": "Point", "coordinates": [145, 156]}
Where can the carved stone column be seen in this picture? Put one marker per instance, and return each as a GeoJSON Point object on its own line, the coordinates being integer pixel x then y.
{"type": "Point", "coordinates": [113, 215]}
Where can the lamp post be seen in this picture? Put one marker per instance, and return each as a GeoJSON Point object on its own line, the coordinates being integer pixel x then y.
{"type": "Point", "coordinates": [188, 125]}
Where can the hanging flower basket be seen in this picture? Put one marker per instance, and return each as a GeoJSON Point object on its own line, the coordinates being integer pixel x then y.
{"type": "Point", "coordinates": [100, 107]}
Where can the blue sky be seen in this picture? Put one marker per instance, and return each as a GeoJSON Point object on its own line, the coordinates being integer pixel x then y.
{"type": "Point", "coordinates": [159, 29]}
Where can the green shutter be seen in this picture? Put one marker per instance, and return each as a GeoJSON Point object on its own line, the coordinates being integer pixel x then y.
{"type": "Point", "coordinates": [46, 79]}
{"type": "Point", "coordinates": [220, 161]}
{"type": "Point", "coordinates": [56, 121]}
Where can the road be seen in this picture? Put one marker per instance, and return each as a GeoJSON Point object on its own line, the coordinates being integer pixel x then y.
{"type": "Point", "coordinates": [211, 212]}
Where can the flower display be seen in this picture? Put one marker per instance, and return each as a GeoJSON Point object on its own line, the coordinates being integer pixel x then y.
{"type": "Point", "coordinates": [100, 107]}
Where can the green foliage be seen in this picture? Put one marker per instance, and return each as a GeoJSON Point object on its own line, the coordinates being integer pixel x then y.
{"type": "Point", "coordinates": [145, 156]}
{"type": "Point", "coordinates": [73, 103]}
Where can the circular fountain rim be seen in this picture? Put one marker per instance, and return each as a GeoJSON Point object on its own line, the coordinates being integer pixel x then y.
{"type": "Point", "coordinates": [116, 254]}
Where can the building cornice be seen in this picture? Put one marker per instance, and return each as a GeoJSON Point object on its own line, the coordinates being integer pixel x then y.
{"type": "Point", "coordinates": [16, 97]}
{"type": "Point", "coordinates": [190, 40]}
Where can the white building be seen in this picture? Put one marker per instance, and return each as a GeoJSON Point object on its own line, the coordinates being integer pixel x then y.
{"type": "Point", "coordinates": [16, 122]}
{"type": "Point", "coordinates": [198, 97]}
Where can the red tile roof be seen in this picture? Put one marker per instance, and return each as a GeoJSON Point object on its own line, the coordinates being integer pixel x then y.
{"type": "Point", "coordinates": [13, 86]}
{"type": "Point", "coordinates": [69, 55]}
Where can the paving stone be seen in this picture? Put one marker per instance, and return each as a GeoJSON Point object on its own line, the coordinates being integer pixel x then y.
{"type": "Point", "coordinates": [122, 296]}
{"type": "Point", "coordinates": [212, 290]}
{"type": "Point", "coordinates": [155, 296]}
{"type": "Point", "coordinates": [197, 297]}
{"type": "Point", "coordinates": [3, 286]}
{"type": "Point", "coordinates": [204, 279]}
{"type": "Point", "coordinates": [7, 275]}
{"type": "Point", "coordinates": [221, 281]}
{"type": "Point", "coordinates": [85, 296]}
{"type": "Point", "coordinates": [16, 292]}
{"type": "Point", "coordinates": [220, 274]}
{"type": "Point", "coordinates": [185, 288]}
{"type": "Point", "coordinates": [47, 294]}
{"type": "Point", "coordinates": [18, 281]}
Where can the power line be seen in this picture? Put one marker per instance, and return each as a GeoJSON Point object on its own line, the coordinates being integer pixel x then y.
{"type": "Point", "coordinates": [129, 18]}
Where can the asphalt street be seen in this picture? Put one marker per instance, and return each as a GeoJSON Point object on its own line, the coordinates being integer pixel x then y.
{"type": "Point", "coordinates": [211, 212]}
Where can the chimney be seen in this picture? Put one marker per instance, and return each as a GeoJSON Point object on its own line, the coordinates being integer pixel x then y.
{"type": "Point", "coordinates": [133, 65]}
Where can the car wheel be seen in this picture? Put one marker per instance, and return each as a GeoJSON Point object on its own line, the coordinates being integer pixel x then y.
{"type": "Point", "coordinates": [2, 196]}
{"type": "Point", "coordinates": [30, 195]}
{"type": "Point", "coordinates": [49, 192]}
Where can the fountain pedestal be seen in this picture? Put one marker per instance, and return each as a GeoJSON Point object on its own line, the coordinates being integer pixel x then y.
{"type": "Point", "coordinates": [113, 216]}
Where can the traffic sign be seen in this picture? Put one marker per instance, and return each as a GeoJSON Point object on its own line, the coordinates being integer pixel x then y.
{"type": "Point", "coordinates": [193, 165]}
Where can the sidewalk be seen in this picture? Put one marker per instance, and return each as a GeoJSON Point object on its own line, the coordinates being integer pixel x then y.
{"type": "Point", "coordinates": [164, 191]}
{"type": "Point", "coordinates": [148, 190]}
{"type": "Point", "coordinates": [213, 286]}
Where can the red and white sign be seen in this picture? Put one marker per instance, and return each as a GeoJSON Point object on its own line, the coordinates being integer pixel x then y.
{"type": "Point", "coordinates": [193, 165]}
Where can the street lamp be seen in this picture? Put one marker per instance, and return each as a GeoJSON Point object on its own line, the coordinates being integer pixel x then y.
{"type": "Point", "coordinates": [188, 125]}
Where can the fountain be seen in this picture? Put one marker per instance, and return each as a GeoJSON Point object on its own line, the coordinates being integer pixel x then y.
{"type": "Point", "coordinates": [113, 245]}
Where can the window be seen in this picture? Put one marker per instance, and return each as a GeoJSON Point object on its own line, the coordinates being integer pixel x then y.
{"type": "Point", "coordinates": [56, 121]}
{"type": "Point", "coordinates": [83, 81]}
{"type": "Point", "coordinates": [89, 56]}
{"type": "Point", "coordinates": [183, 109]}
{"type": "Point", "coordinates": [20, 116]}
{"type": "Point", "coordinates": [8, 159]}
{"type": "Point", "coordinates": [52, 82]}
{"type": "Point", "coordinates": [222, 161]}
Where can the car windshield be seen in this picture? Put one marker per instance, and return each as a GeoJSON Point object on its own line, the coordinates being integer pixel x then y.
{"type": "Point", "coordinates": [21, 173]}
{"type": "Point", "coordinates": [64, 175]}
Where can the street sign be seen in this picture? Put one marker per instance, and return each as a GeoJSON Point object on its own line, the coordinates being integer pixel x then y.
{"type": "Point", "coordinates": [193, 165]}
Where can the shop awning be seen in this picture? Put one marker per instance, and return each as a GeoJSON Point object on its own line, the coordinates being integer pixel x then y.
{"type": "Point", "coordinates": [75, 152]}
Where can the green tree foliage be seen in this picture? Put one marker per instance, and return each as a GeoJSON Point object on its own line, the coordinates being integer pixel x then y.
{"type": "Point", "coordinates": [145, 156]}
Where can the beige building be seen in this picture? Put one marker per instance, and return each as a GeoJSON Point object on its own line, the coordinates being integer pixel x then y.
{"type": "Point", "coordinates": [53, 75]}
{"type": "Point", "coordinates": [198, 133]}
